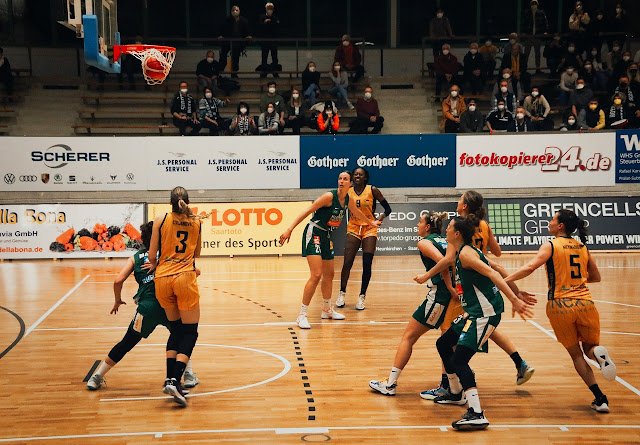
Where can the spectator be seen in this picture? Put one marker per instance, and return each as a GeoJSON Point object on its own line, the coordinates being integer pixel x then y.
{"type": "Point", "coordinates": [536, 28]}
{"type": "Point", "coordinates": [348, 55]}
{"type": "Point", "coordinates": [311, 83]}
{"type": "Point", "coordinates": [619, 115]}
{"type": "Point", "coordinates": [537, 108]}
{"type": "Point", "coordinates": [619, 25]}
{"type": "Point", "coordinates": [517, 63]}
{"type": "Point", "coordinates": [6, 76]}
{"type": "Point", "coordinates": [340, 83]}
{"type": "Point", "coordinates": [553, 53]}
{"type": "Point", "coordinates": [269, 28]}
{"type": "Point", "coordinates": [452, 107]}
{"type": "Point", "coordinates": [506, 97]}
{"type": "Point", "coordinates": [614, 56]}
{"type": "Point", "coordinates": [209, 108]}
{"type": "Point", "coordinates": [296, 117]}
{"type": "Point", "coordinates": [626, 93]}
{"type": "Point", "coordinates": [207, 71]}
{"type": "Point", "coordinates": [621, 68]}
{"type": "Point", "coordinates": [317, 109]}
{"type": "Point", "coordinates": [440, 32]}
{"type": "Point", "coordinates": [567, 85]}
{"type": "Point", "coordinates": [184, 111]}
{"type": "Point", "coordinates": [578, 22]}
{"type": "Point", "coordinates": [488, 52]}
{"type": "Point", "coordinates": [130, 66]}
{"type": "Point", "coordinates": [593, 74]}
{"type": "Point", "coordinates": [473, 69]}
{"type": "Point", "coordinates": [634, 80]}
{"type": "Point", "coordinates": [242, 123]}
{"type": "Point", "coordinates": [522, 123]}
{"type": "Point", "coordinates": [446, 68]}
{"type": "Point", "coordinates": [580, 97]}
{"type": "Point", "coordinates": [272, 97]}
{"type": "Point", "coordinates": [571, 58]}
{"type": "Point", "coordinates": [471, 120]}
{"type": "Point", "coordinates": [592, 117]}
{"type": "Point", "coordinates": [597, 29]}
{"type": "Point", "coordinates": [506, 49]}
{"type": "Point", "coordinates": [570, 124]}
{"type": "Point", "coordinates": [236, 27]}
{"type": "Point", "coordinates": [328, 121]}
{"type": "Point", "coordinates": [636, 58]}
{"type": "Point", "coordinates": [500, 119]}
{"type": "Point", "coordinates": [269, 121]}
{"type": "Point", "coordinates": [368, 115]}
{"type": "Point", "coordinates": [513, 88]}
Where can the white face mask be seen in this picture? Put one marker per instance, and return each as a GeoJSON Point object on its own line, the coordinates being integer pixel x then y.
{"type": "Point", "coordinates": [571, 49]}
{"type": "Point", "coordinates": [488, 43]}
{"type": "Point", "coordinates": [243, 111]}
{"type": "Point", "coordinates": [520, 116]}
{"type": "Point", "coordinates": [235, 13]}
{"type": "Point", "coordinates": [445, 52]}
{"type": "Point", "coordinates": [295, 95]}
{"type": "Point", "coordinates": [616, 48]}
{"type": "Point", "coordinates": [454, 93]}
{"type": "Point", "coordinates": [367, 95]}
{"type": "Point", "coordinates": [270, 110]}
{"type": "Point", "coordinates": [626, 58]}
{"type": "Point", "coordinates": [439, 15]}
{"type": "Point", "coordinates": [345, 43]}
{"type": "Point", "coordinates": [472, 108]}
{"type": "Point", "coordinates": [312, 69]}
{"type": "Point", "coordinates": [337, 67]}
{"type": "Point", "coordinates": [587, 67]}
{"type": "Point", "coordinates": [504, 89]}
{"type": "Point", "coordinates": [594, 53]}
{"type": "Point", "coordinates": [619, 10]}
{"type": "Point", "coordinates": [570, 71]}
{"type": "Point", "coordinates": [535, 93]}
{"type": "Point", "coordinates": [269, 12]}
{"type": "Point", "coordinates": [506, 75]}
{"type": "Point", "coordinates": [184, 90]}
{"type": "Point", "coordinates": [501, 107]}
{"type": "Point", "coordinates": [272, 90]}
{"type": "Point", "coordinates": [600, 17]}
{"type": "Point", "coordinates": [512, 41]}
{"type": "Point", "coordinates": [473, 51]}
{"type": "Point", "coordinates": [571, 121]}
{"type": "Point", "coordinates": [210, 59]}
{"type": "Point", "coordinates": [208, 95]}
{"type": "Point", "coordinates": [580, 86]}
{"type": "Point", "coordinates": [329, 112]}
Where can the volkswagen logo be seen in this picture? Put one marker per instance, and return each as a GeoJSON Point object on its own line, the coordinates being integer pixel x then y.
{"type": "Point", "coordinates": [9, 178]}
{"type": "Point", "coordinates": [28, 178]}
{"type": "Point", "coordinates": [130, 176]}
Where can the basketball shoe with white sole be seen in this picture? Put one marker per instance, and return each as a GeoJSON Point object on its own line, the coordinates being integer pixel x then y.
{"type": "Point", "coordinates": [449, 398]}
{"type": "Point", "coordinates": [382, 387]}
{"type": "Point", "coordinates": [302, 321]}
{"type": "Point", "coordinates": [173, 388]}
{"type": "Point", "coordinates": [471, 420]}
{"type": "Point", "coordinates": [190, 379]}
{"type": "Point", "coordinates": [340, 300]}
{"type": "Point", "coordinates": [601, 404]}
{"type": "Point", "coordinates": [95, 382]}
{"type": "Point", "coordinates": [607, 367]}
{"type": "Point", "coordinates": [525, 372]}
{"type": "Point", "coordinates": [332, 314]}
{"type": "Point", "coordinates": [360, 303]}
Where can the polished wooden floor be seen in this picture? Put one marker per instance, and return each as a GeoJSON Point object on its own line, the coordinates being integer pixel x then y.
{"type": "Point", "coordinates": [263, 380]}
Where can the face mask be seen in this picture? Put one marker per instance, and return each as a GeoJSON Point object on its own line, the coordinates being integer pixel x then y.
{"type": "Point", "coordinates": [210, 59]}
{"type": "Point", "coordinates": [587, 67]}
{"type": "Point", "coordinates": [580, 86]}
{"type": "Point", "coordinates": [345, 43]}
{"type": "Point", "coordinates": [501, 107]}
{"type": "Point", "coordinates": [295, 95]}
{"type": "Point", "coordinates": [312, 69]}
{"type": "Point", "coordinates": [472, 108]}
{"type": "Point", "coordinates": [184, 90]}
{"type": "Point", "coordinates": [473, 51]}
{"type": "Point", "coordinates": [593, 106]}
{"type": "Point", "coordinates": [520, 116]}
{"type": "Point", "coordinates": [337, 67]}
{"type": "Point", "coordinates": [270, 110]}
{"type": "Point", "coordinates": [367, 95]}
{"type": "Point", "coordinates": [512, 41]}
{"type": "Point", "coordinates": [617, 101]}
{"type": "Point", "coordinates": [571, 49]}
{"type": "Point", "coordinates": [445, 52]}
{"type": "Point", "coordinates": [269, 12]}
{"type": "Point", "coordinates": [578, 8]}
{"type": "Point", "coordinates": [619, 10]}
{"type": "Point", "coordinates": [454, 93]}
{"type": "Point", "coordinates": [208, 95]}
{"type": "Point", "coordinates": [504, 89]}
{"type": "Point", "coordinates": [570, 71]}
{"type": "Point", "coordinates": [626, 58]}
{"type": "Point", "coordinates": [633, 72]}
{"type": "Point", "coordinates": [535, 93]}
{"type": "Point", "coordinates": [623, 85]}
{"type": "Point", "coordinates": [616, 48]}
{"type": "Point", "coordinates": [556, 38]}
{"type": "Point", "coordinates": [235, 13]}
{"type": "Point", "coordinates": [600, 17]}
{"type": "Point", "coordinates": [571, 121]}
{"type": "Point", "coordinates": [272, 90]}
{"type": "Point", "coordinates": [506, 75]}
{"type": "Point", "coordinates": [439, 15]}
{"type": "Point", "coordinates": [594, 53]}
{"type": "Point", "coordinates": [243, 111]}
{"type": "Point", "coordinates": [329, 113]}
{"type": "Point", "coordinates": [138, 42]}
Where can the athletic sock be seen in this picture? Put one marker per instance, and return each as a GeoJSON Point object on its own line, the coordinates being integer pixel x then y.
{"type": "Point", "coordinates": [444, 383]}
{"type": "Point", "coordinates": [188, 368]}
{"type": "Point", "coordinates": [595, 389]}
{"type": "Point", "coordinates": [326, 304]}
{"type": "Point", "coordinates": [393, 375]}
{"type": "Point", "coordinates": [304, 309]}
{"type": "Point", "coordinates": [105, 367]}
{"type": "Point", "coordinates": [517, 360]}
{"type": "Point", "coordinates": [473, 399]}
{"type": "Point", "coordinates": [171, 366]}
{"type": "Point", "coordinates": [179, 370]}
{"type": "Point", "coordinates": [454, 384]}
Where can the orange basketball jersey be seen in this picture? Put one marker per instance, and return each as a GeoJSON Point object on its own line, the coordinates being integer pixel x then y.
{"type": "Point", "coordinates": [364, 201]}
{"type": "Point", "coordinates": [567, 269]}
{"type": "Point", "coordinates": [179, 236]}
{"type": "Point", "coordinates": [481, 238]}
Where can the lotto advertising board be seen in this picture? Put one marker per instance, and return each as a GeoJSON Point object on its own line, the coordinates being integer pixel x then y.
{"type": "Point", "coordinates": [245, 228]}
{"type": "Point", "coordinates": [628, 156]}
{"type": "Point", "coordinates": [69, 230]}
{"type": "Point", "coordinates": [536, 160]}
{"type": "Point", "coordinates": [392, 160]}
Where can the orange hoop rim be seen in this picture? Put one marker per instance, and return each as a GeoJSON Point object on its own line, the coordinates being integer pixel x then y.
{"type": "Point", "coordinates": [120, 49]}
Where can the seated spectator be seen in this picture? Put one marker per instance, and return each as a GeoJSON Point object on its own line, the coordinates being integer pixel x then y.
{"type": "Point", "coordinates": [440, 31]}
{"type": "Point", "coordinates": [328, 121]}
{"type": "Point", "coordinates": [368, 115]}
{"type": "Point", "coordinates": [507, 97]}
{"type": "Point", "coordinates": [473, 69]}
{"type": "Point", "coordinates": [184, 111]}
{"type": "Point", "coordinates": [6, 76]}
{"type": "Point", "coordinates": [207, 71]}
{"type": "Point", "coordinates": [594, 78]}
{"type": "Point", "coordinates": [488, 52]}
{"type": "Point", "coordinates": [311, 83]}
{"type": "Point", "coordinates": [537, 108]}
{"type": "Point", "coordinates": [567, 85]}
{"type": "Point", "coordinates": [317, 109]}
{"type": "Point", "coordinates": [340, 83]}
{"type": "Point", "coordinates": [446, 68]}
{"type": "Point", "coordinates": [597, 29]}
{"type": "Point", "coordinates": [500, 120]}
{"type": "Point", "coordinates": [349, 58]}
{"type": "Point", "coordinates": [592, 117]}
{"type": "Point", "coordinates": [522, 123]}
{"type": "Point", "coordinates": [209, 108]}
{"type": "Point", "coordinates": [569, 124]}
{"type": "Point", "coordinates": [580, 97]}
{"type": "Point", "coordinates": [571, 58]}
{"type": "Point", "coordinates": [269, 28]}
{"type": "Point", "coordinates": [471, 120]}
{"type": "Point", "coordinates": [452, 107]}
{"type": "Point", "coordinates": [634, 78]}
{"type": "Point", "coordinates": [619, 115]}
{"type": "Point", "coordinates": [296, 117]}
{"type": "Point", "coordinates": [506, 49]}
{"type": "Point", "coordinates": [636, 58]}
{"type": "Point", "coordinates": [517, 63]}
{"type": "Point", "coordinates": [242, 123]}
{"type": "Point", "coordinates": [621, 68]}
{"type": "Point", "coordinates": [553, 53]}
{"type": "Point", "coordinates": [626, 93]}
{"type": "Point", "coordinates": [513, 88]}
{"type": "Point", "coordinates": [269, 121]}
{"type": "Point", "coordinates": [614, 56]}
{"type": "Point", "coordinates": [272, 97]}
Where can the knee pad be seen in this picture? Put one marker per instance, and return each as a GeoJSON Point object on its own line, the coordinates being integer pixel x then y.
{"type": "Point", "coordinates": [173, 343]}
{"type": "Point", "coordinates": [130, 339]}
{"type": "Point", "coordinates": [188, 340]}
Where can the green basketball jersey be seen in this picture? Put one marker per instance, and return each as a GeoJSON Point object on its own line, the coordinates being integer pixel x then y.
{"type": "Point", "coordinates": [146, 286]}
{"type": "Point", "coordinates": [441, 244]}
{"type": "Point", "coordinates": [480, 297]}
{"type": "Point", "coordinates": [328, 218]}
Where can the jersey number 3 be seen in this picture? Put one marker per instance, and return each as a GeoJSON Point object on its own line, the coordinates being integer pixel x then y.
{"type": "Point", "coordinates": [182, 239]}
{"type": "Point", "coordinates": [577, 273]}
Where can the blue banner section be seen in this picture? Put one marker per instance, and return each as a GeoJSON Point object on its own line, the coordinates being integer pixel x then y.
{"type": "Point", "coordinates": [392, 160]}
{"type": "Point", "coordinates": [627, 156]}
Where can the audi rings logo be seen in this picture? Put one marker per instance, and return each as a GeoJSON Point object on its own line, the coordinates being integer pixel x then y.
{"type": "Point", "coordinates": [28, 178]}
{"type": "Point", "coordinates": [9, 178]}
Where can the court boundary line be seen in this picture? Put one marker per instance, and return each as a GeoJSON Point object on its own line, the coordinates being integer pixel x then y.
{"type": "Point", "coordinates": [20, 334]}
{"type": "Point", "coordinates": [55, 306]}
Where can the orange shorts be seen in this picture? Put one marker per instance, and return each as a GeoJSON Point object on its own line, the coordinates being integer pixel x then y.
{"type": "Point", "coordinates": [361, 232]}
{"type": "Point", "coordinates": [178, 290]}
{"type": "Point", "coordinates": [453, 310]}
{"type": "Point", "coordinates": [574, 321]}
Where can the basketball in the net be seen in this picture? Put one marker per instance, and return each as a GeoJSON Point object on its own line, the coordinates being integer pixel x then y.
{"type": "Point", "coordinates": [154, 68]}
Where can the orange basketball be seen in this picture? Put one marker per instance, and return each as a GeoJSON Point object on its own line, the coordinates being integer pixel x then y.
{"type": "Point", "coordinates": [154, 68]}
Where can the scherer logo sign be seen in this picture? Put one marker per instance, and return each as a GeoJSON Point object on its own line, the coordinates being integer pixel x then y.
{"type": "Point", "coordinates": [59, 155]}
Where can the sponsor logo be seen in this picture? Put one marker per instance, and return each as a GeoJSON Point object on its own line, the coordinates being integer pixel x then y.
{"type": "Point", "coordinates": [72, 178]}
{"type": "Point", "coordinates": [28, 178]}
{"type": "Point", "coordinates": [92, 178]}
{"type": "Point", "coordinates": [377, 161]}
{"type": "Point", "coordinates": [9, 178]}
{"type": "Point", "coordinates": [45, 177]}
{"type": "Point", "coordinates": [57, 177]}
{"type": "Point", "coordinates": [59, 155]}
{"type": "Point", "coordinates": [327, 162]}
{"type": "Point", "coordinates": [113, 177]}
{"type": "Point", "coordinates": [427, 161]}
{"type": "Point", "coordinates": [130, 176]}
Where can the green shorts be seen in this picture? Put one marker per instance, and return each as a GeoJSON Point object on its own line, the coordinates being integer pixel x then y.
{"type": "Point", "coordinates": [148, 315]}
{"type": "Point", "coordinates": [474, 333]}
{"type": "Point", "coordinates": [316, 241]}
{"type": "Point", "coordinates": [432, 311]}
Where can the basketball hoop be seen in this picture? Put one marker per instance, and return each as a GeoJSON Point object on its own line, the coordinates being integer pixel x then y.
{"type": "Point", "coordinates": [156, 60]}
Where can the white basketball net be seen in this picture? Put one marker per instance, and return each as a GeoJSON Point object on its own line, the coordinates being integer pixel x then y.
{"type": "Point", "coordinates": [165, 59]}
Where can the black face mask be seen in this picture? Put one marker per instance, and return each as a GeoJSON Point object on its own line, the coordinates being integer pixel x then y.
{"type": "Point", "coordinates": [623, 85]}
{"type": "Point", "coordinates": [633, 72]}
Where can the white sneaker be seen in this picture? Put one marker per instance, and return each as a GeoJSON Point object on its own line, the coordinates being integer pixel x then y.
{"type": "Point", "coordinates": [173, 388]}
{"type": "Point", "coordinates": [340, 300]}
{"type": "Point", "coordinates": [607, 367]}
{"type": "Point", "coordinates": [95, 382]}
{"type": "Point", "coordinates": [383, 387]}
{"type": "Point", "coordinates": [190, 379]}
{"type": "Point", "coordinates": [350, 105]}
{"type": "Point", "coordinates": [302, 321]}
{"type": "Point", "coordinates": [332, 314]}
{"type": "Point", "coordinates": [360, 303]}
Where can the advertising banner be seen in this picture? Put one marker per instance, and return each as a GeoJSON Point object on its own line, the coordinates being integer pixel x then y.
{"type": "Point", "coordinates": [246, 228]}
{"type": "Point", "coordinates": [392, 160]}
{"type": "Point", "coordinates": [628, 156]}
{"type": "Point", "coordinates": [69, 230]}
{"type": "Point", "coordinates": [224, 163]}
{"type": "Point", "coordinates": [544, 160]}
{"type": "Point", "coordinates": [72, 164]}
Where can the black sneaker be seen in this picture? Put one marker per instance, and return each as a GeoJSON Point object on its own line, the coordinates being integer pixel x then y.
{"type": "Point", "coordinates": [173, 388]}
{"type": "Point", "coordinates": [451, 399]}
{"type": "Point", "coordinates": [470, 421]}
{"type": "Point", "coordinates": [601, 404]}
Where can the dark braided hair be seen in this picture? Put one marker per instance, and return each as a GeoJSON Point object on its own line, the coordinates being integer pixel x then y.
{"type": "Point", "coordinates": [571, 223]}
